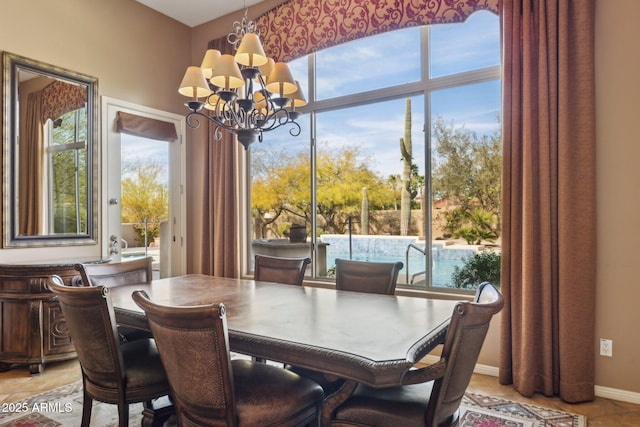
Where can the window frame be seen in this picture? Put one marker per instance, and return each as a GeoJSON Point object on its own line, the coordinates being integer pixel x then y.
{"type": "Point", "coordinates": [424, 87]}
{"type": "Point", "coordinates": [49, 152]}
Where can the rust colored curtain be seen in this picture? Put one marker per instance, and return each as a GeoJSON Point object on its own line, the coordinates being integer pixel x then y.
{"type": "Point", "coordinates": [548, 238]}
{"type": "Point", "coordinates": [300, 27]}
{"type": "Point", "coordinates": [220, 195]}
{"type": "Point", "coordinates": [30, 168]}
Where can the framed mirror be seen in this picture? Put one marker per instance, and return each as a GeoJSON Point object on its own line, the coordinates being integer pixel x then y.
{"type": "Point", "coordinates": [50, 129]}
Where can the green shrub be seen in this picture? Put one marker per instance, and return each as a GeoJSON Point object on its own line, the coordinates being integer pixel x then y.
{"type": "Point", "coordinates": [153, 230]}
{"type": "Point", "coordinates": [481, 267]}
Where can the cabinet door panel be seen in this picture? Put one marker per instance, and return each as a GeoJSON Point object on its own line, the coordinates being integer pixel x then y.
{"type": "Point", "coordinates": [16, 330]}
{"type": "Point", "coordinates": [56, 335]}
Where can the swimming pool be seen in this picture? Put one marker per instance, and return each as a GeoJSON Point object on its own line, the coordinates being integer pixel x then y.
{"type": "Point", "coordinates": [393, 248]}
{"type": "Point", "coordinates": [130, 254]}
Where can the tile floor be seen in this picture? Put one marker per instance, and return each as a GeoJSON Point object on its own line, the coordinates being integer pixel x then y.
{"type": "Point", "coordinates": [18, 383]}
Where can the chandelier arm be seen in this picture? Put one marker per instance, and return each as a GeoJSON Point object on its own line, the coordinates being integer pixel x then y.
{"type": "Point", "coordinates": [296, 130]}
{"type": "Point", "coordinates": [193, 122]}
{"type": "Point", "coordinates": [191, 119]}
{"type": "Point", "coordinates": [217, 133]}
{"type": "Point", "coordinates": [222, 108]}
{"type": "Point", "coordinates": [283, 120]}
{"type": "Point", "coordinates": [278, 118]}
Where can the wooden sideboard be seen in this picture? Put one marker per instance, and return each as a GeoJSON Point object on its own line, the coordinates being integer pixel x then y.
{"type": "Point", "coordinates": [32, 327]}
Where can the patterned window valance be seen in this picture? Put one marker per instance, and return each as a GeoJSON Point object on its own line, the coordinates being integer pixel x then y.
{"type": "Point", "coordinates": [299, 27]}
{"type": "Point", "coordinates": [60, 97]}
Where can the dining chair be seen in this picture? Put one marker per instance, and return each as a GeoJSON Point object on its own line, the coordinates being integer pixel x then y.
{"type": "Point", "coordinates": [289, 271]}
{"type": "Point", "coordinates": [364, 276]}
{"type": "Point", "coordinates": [430, 395]}
{"type": "Point", "coordinates": [119, 274]}
{"type": "Point", "coordinates": [210, 389]}
{"type": "Point", "coordinates": [112, 372]}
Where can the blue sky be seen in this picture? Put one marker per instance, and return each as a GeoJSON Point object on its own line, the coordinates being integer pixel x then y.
{"type": "Point", "coordinates": [134, 147]}
{"type": "Point", "coordinates": [393, 59]}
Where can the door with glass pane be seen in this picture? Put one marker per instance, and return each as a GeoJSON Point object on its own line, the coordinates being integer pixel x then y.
{"type": "Point", "coordinates": [144, 198]}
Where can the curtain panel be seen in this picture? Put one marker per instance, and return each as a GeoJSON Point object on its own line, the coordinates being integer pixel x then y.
{"type": "Point", "coordinates": [548, 236]}
{"type": "Point", "coordinates": [30, 167]}
{"type": "Point", "coordinates": [300, 27]}
{"type": "Point", "coordinates": [220, 198]}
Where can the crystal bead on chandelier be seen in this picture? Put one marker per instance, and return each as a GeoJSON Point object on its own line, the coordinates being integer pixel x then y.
{"type": "Point", "coordinates": [246, 94]}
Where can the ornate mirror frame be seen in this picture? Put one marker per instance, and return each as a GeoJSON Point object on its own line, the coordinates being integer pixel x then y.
{"type": "Point", "coordinates": [15, 66]}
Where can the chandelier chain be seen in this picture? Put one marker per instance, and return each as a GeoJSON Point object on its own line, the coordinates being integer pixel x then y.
{"type": "Point", "coordinates": [240, 28]}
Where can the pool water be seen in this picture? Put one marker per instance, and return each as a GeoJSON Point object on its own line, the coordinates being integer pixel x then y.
{"type": "Point", "coordinates": [441, 271]}
{"type": "Point", "coordinates": [393, 249]}
{"type": "Point", "coordinates": [131, 254]}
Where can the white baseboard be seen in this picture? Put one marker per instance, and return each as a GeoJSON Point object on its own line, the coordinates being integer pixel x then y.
{"type": "Point", "coordinates": [600, 391]}
{"type": "Point", "coordinates": [616, 394]}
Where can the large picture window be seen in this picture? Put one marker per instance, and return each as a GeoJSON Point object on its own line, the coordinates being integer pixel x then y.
{"type": "Point", "coordinates": [398, 160]}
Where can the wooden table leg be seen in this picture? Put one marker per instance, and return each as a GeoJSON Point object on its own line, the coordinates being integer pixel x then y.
{"type": "Point", "coordinates": [334, 400]}
{"type": "Point", "coordinates": [156, 412]}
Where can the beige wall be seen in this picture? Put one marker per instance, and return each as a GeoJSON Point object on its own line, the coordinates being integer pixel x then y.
{"type": "Point", "coordinates": [618, 191]}
{"type": "Point", "coordinates": [139, 56]}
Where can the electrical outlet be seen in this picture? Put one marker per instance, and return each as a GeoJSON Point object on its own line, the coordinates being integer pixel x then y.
{"type": "Point", "coordinates": [606, 347]}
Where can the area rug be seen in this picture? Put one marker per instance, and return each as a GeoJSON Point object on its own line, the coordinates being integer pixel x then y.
{"type": "Point", "coordinates": [484, 411]}
{"type": "Point", "coordinates": [63, 407]}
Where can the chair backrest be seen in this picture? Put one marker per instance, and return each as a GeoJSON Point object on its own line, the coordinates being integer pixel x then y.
{"type": "Point", "coordinates": [90, 317]}
{"type": "Point", "coordinates": [465, 336]}
{"type": "Point", "coordinates": [371, 277]}
{"type": "Point", "coordinates": [117, 273]}
{"type": "Point", "coordinates": [193, 343]}
{"type": "Point", "coordinates": [289, 271]}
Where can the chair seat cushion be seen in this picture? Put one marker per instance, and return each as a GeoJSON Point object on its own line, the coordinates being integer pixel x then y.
{"type": "Point", "coordinates": [131, 334]}
{"type": "Point", "coordinates": [269, 395]}
{"type": "Point", "coordinates": [404, 406]}
{"type": "Point", "coordinates": [143, 367]}
{"type": "Point", "coordinates": [329, 383]}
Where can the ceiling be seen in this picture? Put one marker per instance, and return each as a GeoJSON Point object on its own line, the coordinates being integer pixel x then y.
{"type": "Point", "coordinates": [196, 12]}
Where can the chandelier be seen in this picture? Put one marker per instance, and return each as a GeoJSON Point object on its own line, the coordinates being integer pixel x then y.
{"type": "Point", "coordinates": [247, 93]}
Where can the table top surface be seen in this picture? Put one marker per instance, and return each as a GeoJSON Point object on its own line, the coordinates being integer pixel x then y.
{"type": "Point", "coordinates": [370, 338]}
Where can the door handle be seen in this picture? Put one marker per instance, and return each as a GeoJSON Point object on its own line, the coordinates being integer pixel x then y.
{"type": "Point", "coordinates": [115, 245]}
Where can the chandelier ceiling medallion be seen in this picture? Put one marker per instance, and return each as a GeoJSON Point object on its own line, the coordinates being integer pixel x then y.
{"type": "Point", "coordinates": [246, 93]}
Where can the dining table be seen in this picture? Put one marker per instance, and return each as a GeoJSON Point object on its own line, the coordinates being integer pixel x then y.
{"type": "Point", "coordinates": [363, 338]}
